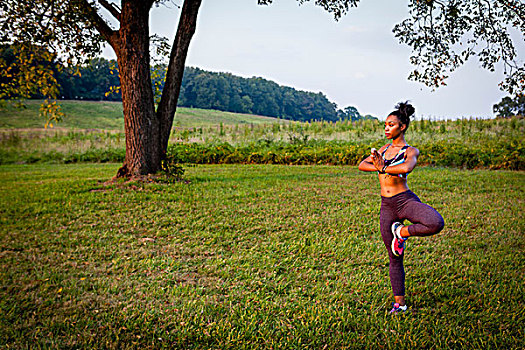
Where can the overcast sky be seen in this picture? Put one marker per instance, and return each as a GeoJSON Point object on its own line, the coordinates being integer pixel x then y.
{"type": "Point", "coordinates": [354, 62]}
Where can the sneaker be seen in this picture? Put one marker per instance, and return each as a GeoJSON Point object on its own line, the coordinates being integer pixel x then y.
{"type": "Point", "coordinates": [398, 243]}
{"type": "Point", "coordinates": [398, 309]}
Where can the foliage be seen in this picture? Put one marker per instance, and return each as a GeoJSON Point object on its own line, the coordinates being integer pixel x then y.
{"type": "Point", "coordinates": [172, 169]}
{"type": "Point", "coordinates": [29, 29]}
{"type": "Point", "coordinates": [509, 107]}
{"type": "Point", "coordinates": [97, 79]}
{"type": "Point", "coordinates": [336, 7]}
{"type": "Point", "coordinates": [26, 71]}
{"type": "Point", "coordinates": [503, 155]}
{"type": "Point", "coordinates": [61, 26]}
{"type": "Point", "coordinates": [445, 34]}
{"type": "Point", "coordinates": [349, 113]}
{"type": "Point", "coordinates": [254, 257]}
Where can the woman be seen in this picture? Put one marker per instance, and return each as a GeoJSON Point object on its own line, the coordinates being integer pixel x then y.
{"type": "Point", "coordinates": [393, 162]}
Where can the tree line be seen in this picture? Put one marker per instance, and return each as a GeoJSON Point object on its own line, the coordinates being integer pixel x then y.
{"type": "Point", "coordinates": [227, 92]}
{"type": "Point", "coordinates": [209, 90]}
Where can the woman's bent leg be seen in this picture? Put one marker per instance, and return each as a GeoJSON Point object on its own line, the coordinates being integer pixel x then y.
{"type": "Point", "coordinates": [396, 269]}
{"type": "Point", "coordinates": [426, 221]}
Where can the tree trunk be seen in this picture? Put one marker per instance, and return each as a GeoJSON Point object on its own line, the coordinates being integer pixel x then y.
{"type": "Point", "coordinates": [141, 124]}
{"type": "Point", "coordinates": [147, 132]}
{"type": "Point", "coordinates": [179, 51]}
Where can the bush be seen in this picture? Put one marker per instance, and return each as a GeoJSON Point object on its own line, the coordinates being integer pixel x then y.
{"type": "Point", "coordinates": [499, 155]}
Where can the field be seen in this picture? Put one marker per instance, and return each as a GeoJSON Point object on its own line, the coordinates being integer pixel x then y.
{"type": "Point", "coordinates": [250, 256]}
{"type": "Point", "coordinates": [254, 256]}
{"type": "Point", "coordinates": [108, 116]}
{"type": "Point", "coordinates": [92, 132]}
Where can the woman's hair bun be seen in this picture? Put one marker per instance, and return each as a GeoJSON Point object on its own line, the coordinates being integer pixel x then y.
{"type": "Point", "coordinates": [404, 111]}
{"type": "Point", "coordinates": [405, 108]}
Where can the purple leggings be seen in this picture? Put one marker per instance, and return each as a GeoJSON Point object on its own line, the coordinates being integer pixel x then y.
{"type": "Point", "coordinates": [426, 221]}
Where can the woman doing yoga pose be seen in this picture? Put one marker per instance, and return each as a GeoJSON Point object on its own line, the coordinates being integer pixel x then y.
{"type": "Point", "coordinates": [393, 162]}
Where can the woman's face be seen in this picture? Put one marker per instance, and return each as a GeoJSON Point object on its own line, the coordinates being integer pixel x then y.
{"type": "Point", "coordinates": [393, 127]}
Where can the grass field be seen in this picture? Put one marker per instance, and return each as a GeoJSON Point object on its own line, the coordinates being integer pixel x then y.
{"type": "Point", "coordinates": [254, 256]}
{"type": "Point", "coordinates": [108, 116]}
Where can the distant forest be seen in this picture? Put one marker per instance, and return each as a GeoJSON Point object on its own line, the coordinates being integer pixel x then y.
{"type": "Point", "coordinates": [227, 92]}
{"type": "Point", "coordinates": [210, 90]}
{"type": "Point", "coordinates": [98, 80]}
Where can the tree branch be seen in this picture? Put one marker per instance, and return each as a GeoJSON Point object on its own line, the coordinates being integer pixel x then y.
{"type": "Point", "coordinates": [51, 6]}
{"type": "Point", "coordinates": [112, 8]}
{"type": "Point", "coordinates": [179, 51]}
{"type": "Point", "coordinates": [100, 25]}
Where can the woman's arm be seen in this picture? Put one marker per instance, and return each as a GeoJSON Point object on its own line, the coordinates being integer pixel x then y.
{"type": "Point", "coordinates": [367, 165]}
{"type": "Point", "coordinates": [371, 163]}
{"type": "Point", "coordinates": [408, 165]}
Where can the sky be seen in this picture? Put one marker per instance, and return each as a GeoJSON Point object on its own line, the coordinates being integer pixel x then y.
{"type": "Point", "coordinates": [355, 61]}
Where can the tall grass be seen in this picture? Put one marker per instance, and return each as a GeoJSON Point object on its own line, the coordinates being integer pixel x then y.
{"type": "Point", "coordinates": [496, 144]}
{"type": "Point", "coordinates": [60, 146]}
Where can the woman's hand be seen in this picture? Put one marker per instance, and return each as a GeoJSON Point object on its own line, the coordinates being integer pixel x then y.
{"type": "Point", "coordinates": [377, 160]}
{"type": "Point", "coordinates": [374, 162]}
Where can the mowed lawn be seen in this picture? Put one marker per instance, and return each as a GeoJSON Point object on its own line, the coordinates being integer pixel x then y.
{"type": "Point", "coordinates": [260, 256]}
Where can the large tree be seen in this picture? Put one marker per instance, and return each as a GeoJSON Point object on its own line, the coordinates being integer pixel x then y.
{"type": "Point", "coordinates": [442, 34]}
{"type": "Point", "coordinates": [75, 28]}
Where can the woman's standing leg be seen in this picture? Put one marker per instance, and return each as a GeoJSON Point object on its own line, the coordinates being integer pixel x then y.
{"type": "Point", "coordinates": [396, 270]}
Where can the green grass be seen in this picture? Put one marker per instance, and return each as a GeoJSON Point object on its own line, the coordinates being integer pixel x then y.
{"type": "Point", "coordinates": [254, 256]}
{"type": "Point", "coordinates": [195, 117]}
{"type": "Point", "coordinates": [108, 116]}
{"type": "Point", "coordinates": [79, 115]}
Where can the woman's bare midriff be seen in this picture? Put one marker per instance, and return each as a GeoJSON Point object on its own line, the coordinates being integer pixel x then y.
{"type": "Point", "coordinates": [392, 185]}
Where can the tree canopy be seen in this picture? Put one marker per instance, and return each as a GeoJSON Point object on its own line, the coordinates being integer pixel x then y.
{"type": "Point", "coordinates": [509, 107]}
{"type": "Point", "coordinates": [444, 34]}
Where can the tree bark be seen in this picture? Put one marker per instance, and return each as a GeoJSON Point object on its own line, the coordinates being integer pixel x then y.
{"type": "Point", "coordinates": [141, 124]}
{"type": "Point", "coordinates": [179, 51]}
